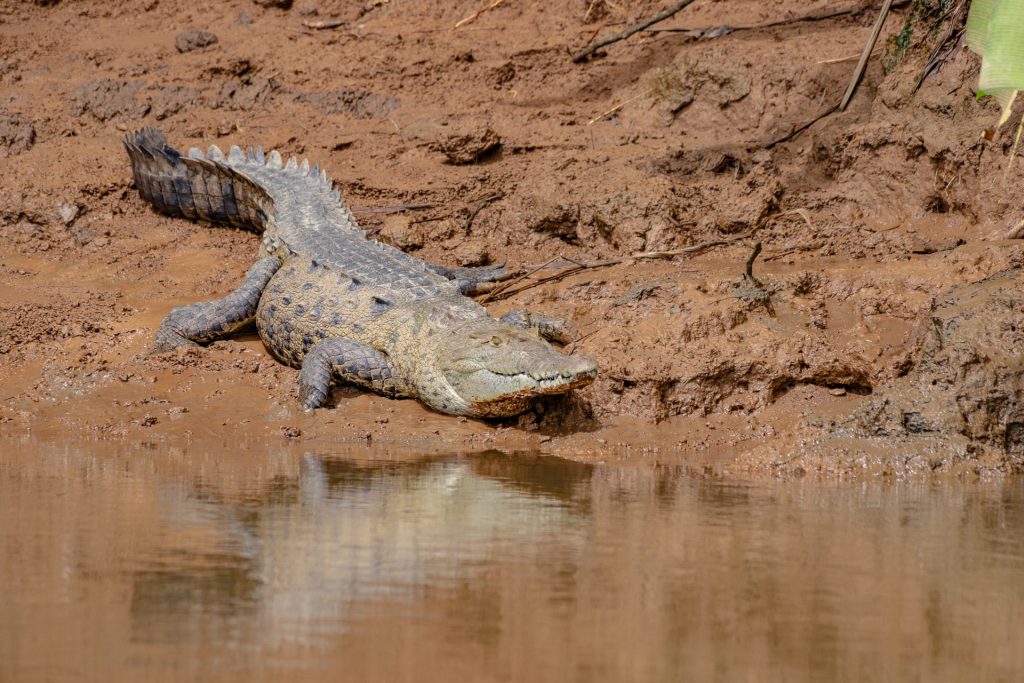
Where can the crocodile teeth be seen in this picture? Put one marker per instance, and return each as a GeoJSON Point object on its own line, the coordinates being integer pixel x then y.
{"type": "Point", "coordinates": [260, 156]}
{"type": "Point", "coordinates": [214, 153]}
{"type": "Point", "coordinates": [291, 165]}
{"type": "Point", "coordinates": [195, 153]}
{"type": "Point", "coordinates": [274, 159]}
{"type": "Point", "coordinates": [236, 155]}
{"type": "Point", "coordinates": [305, 167]}
{"type": "Point", "coordinates": [314, 170]}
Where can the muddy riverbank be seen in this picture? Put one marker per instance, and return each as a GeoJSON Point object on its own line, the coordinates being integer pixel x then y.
{"type": "Point", "coordinates": [870, 220]}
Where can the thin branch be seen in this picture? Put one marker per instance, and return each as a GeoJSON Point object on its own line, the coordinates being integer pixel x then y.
{"type": "Point", "coordinates": [492, 294]}
{"type": "Point", "coordinates": [472, 17]}
{"type": "Point", "coordinates": [868, 49]}
{"type": "Point", "coordinates": [561, 275]}
{"type": "Point", "coordinates": [800, 129]}
{"type": "Point", "coordinates": [614, 109]}
{"type": "Point", "coordinates": [661, 16]}
{"type": "Point", "coordinates": [719, 31]}
{"type": "Point", "coordinates": [480, 207]}
{"type": "Point", "coordinates": [324, 24]}
{"type": "Point", "coordinates": [509, 289]}
{"type": "Point", "coordinates": [695, 249]}
{"type": "Point", "coordinates": [847, 58]}
{"type": "Point", "coordinates": [749, 270]}
{"type": "Point", "coordinates": [398, 208]}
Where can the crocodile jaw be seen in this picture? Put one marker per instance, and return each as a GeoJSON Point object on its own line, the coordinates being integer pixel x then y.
{"type": "Point", "coordinates": [488, 381]}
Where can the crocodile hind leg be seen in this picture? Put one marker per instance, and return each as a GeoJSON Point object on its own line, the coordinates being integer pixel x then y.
{"type": "Point", "coordinates": [473, 279]}
{"type": "Point", "coordinates": [348, 361]}
{"type": "Point", "coordinates": [208, 321]}
{"type": "Point", "coordinates": [547, 326]}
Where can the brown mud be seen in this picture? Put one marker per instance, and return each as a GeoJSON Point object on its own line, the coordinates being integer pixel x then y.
{"type": "Point", "coordinates": [876, 223]}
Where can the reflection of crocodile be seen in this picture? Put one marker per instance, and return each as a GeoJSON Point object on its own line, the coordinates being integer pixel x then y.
{"type": "Point", "coordinates": [328, 300]}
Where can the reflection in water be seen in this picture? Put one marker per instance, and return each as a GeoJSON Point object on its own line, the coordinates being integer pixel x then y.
{"type": "Point", "coordinates": [493, 567]}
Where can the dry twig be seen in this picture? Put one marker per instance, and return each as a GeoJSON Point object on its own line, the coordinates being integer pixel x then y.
{"type": "Point", "coordinates": [803, 213]}
{"type": "Point", "coordinates": [397, 208]}
{"type": "Point", "coordinates": [508, 289]}
{"type": "Point", "coordinates": [661, 16]}
{"type": "Point", "coordinates": [847, 58]}
{"type": "Point", "coordinates": [800, 129]}
{"type": "Point", "coordinates": [472, 17]}
{"type": "Point", "coordinates": [748, 273]}
{"type": "Point", "coordinates": [324, 24]}
{"type": "Point", "coordinates": [719, 31]}
{"type": "Point", "coordinates": [868, 49]}
{"type": "Point", "coordinates": [480, 207]}
{"type": "Point", "coordinates": [613, 109]}
{"type": "Point", "coordinates": [1017, 232]}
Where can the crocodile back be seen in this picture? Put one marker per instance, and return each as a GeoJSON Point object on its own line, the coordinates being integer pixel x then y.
{"type": "Point", "coordinates": [296, 207]}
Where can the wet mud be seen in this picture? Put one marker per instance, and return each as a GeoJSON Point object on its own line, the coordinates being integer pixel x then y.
{"type": "Point", "coordinates": [876, 334]}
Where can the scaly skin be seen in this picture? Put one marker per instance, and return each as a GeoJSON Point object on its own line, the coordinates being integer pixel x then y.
{"type": "Point", "coordinates": [339, 306]}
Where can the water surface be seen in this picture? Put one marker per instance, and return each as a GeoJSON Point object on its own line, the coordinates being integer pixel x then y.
{"type": "Point", "coordinates": [222, 563]}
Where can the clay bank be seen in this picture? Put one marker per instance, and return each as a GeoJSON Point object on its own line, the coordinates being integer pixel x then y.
{"type": "Point", "coordinates": [874, 329]}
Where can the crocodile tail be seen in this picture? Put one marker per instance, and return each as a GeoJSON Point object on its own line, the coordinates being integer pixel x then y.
{"type": "Point", "coordinates": [194, 186]}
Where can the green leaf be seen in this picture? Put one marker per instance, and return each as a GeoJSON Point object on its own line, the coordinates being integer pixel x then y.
{"type": "Point", "coordinates": [995, 30]}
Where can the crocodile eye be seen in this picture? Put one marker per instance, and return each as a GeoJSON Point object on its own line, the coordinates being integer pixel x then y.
{"type": "Point", "coordinates": [496, 340]}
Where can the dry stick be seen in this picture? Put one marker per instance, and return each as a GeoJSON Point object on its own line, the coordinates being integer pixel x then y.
{"type": "Point", "coordinates": [1013, 150]}
{"type": "Point", "coordinates": [614, 109]}
{"type": "Point", "coordinates": [718, 31]}
{"type": "Point", "coordinates": [578, 267]}
{"type": "Point", "coordinates": [800, 129]}
{"type": "Point", "coordinates": [704, 246]}
{"type": "Point", "coordinates": [1016, 232]}
{"type": "Point", "coordinates": [803, 213]}
{"type": "Point", "coordinates": [749, 272]}
{"type": "Point", "coordinates": [480, 207]}
{"type": "Point", "coordinates": [472, 17]}
{"type": "Point", "coordinates": [578, 340]}
{"type": "Point", "coordinates": [948, 44]}
{"type": "Point", "coordinates": [847, 58]}
{"type": "Point", "coordinates": [593, 34]}
{"type": "Point", "coordinates": [561, 275]}
{"type": "Point", "coordinates": [325, 24]}
{"type": "Point", "coordinates": [661, 16]}
{"type": "Point", "coordinates": [495, 292]}
{"type": "Point", "coordinates": [398, 208]}
{"type": "Point", "coordinates": [868, 49]}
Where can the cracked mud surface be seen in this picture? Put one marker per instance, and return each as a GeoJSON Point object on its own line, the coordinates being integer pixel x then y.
{"type": "Point", "coordinates": [869, 220]}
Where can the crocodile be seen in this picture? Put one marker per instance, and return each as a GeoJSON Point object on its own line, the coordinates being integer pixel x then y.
{"type": "Point", "coordinates": [340, 306]}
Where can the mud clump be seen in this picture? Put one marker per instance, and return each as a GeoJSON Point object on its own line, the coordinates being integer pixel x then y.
{"type": "Point", "coordinates": [194, 39]}
{"type": "Point", "coordinates": [16, 136]}
{"type": "Point", "coordinates": [467, 143]}
{"type": "Point", "coordinates": [109, 100]}
{"type": "Point", "coordinates": [361, 104]}
{"type": "Point", "coordinates": [969, 377]}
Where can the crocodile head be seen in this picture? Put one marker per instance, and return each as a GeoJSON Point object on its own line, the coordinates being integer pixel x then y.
{"type": "Point", "coordinates": [496, 370]}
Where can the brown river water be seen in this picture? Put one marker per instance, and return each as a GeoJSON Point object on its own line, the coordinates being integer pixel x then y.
{"type": "Point", "coordinates": [222, 563]}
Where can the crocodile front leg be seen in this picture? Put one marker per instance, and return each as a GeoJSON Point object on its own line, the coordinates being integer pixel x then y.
{"type": "Point", "coordinates": [547, 326]}
{"type": "Point", "coordinates": [209, 321]}
{"type": "Point", "coordinates": [348, 361]}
